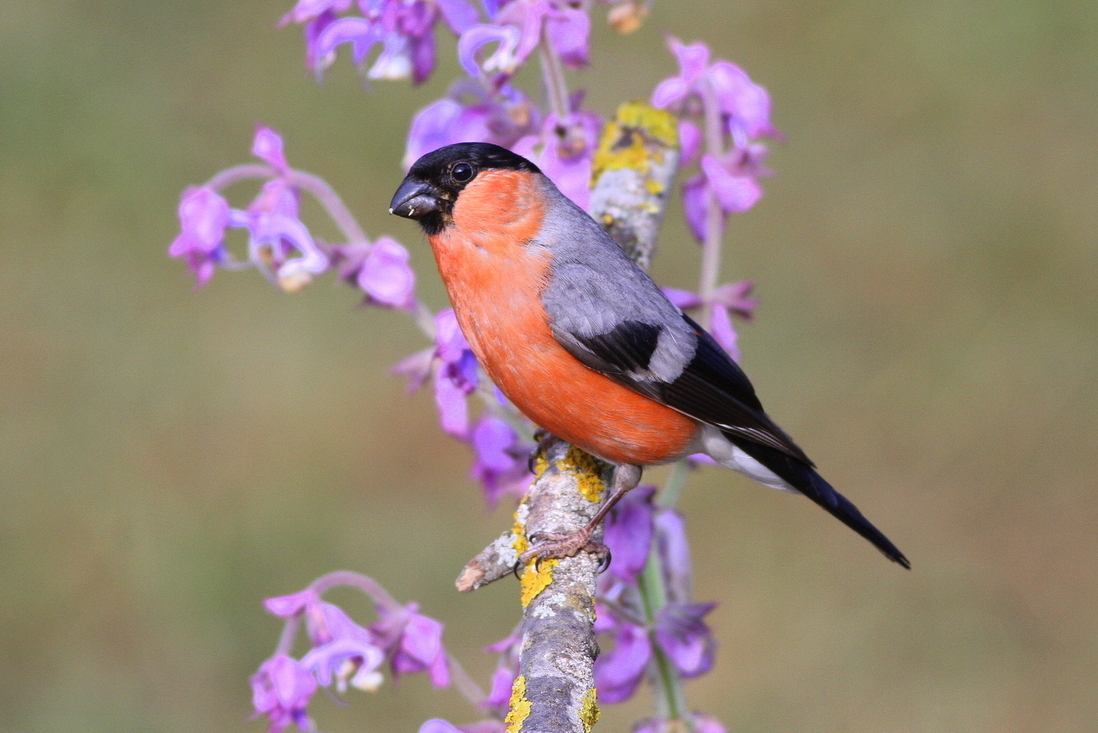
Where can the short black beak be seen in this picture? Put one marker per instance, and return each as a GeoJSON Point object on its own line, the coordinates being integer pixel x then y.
{"type": "Point", "coordinates": [414, 199]}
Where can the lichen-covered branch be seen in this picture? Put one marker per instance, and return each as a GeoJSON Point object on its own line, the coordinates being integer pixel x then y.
{"type": "Point", "coordinates": [633, 173]}
{"type": "Point", "coordinates": [554, 692]}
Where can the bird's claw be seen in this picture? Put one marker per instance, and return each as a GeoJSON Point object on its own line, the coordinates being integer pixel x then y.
{"type": "Point", "coordinates": [558, 546]}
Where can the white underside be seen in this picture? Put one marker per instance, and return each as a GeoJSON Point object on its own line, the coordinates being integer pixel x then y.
{"type": "Point", "coordinates": [712, 442]}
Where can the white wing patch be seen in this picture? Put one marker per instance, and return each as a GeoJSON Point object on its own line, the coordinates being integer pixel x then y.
{"type": "Point", "coordinates": [712, 442]}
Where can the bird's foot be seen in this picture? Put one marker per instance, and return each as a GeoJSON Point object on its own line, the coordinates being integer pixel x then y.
{"type": "Point", "coordinates": [545, 440]}
{"type": "Point", "coordinates": [557, 546]}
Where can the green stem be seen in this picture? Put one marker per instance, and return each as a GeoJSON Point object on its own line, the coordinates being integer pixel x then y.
{"type": "Point", "coordinates": [669, 495]}
{"type": "Point", "coordinates": [666, 683]}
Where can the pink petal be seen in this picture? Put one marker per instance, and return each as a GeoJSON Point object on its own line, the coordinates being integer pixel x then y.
{"type": "Point", "coordinates": [736, 194]}
{"type": "Point", "coordinates": [267, 146]}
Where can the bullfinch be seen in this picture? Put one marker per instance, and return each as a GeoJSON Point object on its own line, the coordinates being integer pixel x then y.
{"type": "Point", "coordinates": [582, 340]}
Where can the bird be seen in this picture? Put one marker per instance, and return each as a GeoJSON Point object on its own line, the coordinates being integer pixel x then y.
{"type": "Point", "coordinates": [583, 342]}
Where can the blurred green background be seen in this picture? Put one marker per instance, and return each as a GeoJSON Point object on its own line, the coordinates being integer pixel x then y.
{"type": "Point", "coordinates": [926, 257]}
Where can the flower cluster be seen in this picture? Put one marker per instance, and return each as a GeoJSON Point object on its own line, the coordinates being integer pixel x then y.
{"type": "Point", "coordinates": [640, 619]}
{"type": "Point", "coordinates": [341, 652]}
{"type": "Point", "coordinates": [280, 245]}
{"type": "Point", "coordinates": [404, 29]}
{"type": "Point", "coordinates": [500, 453]}
{"type": "Point", "coordinates": [734, 113]}
{"type": "Point", "coordinates": [492, 48]}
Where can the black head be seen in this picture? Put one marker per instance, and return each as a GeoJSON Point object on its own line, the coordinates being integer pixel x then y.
{"type": "Point", "coordinates": [432, 185]}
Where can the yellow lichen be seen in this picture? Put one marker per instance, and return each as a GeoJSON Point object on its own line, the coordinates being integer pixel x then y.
{"type": "Point", "coordinates": [518, 529]}
{"type": "Point", "coordinates": [624, 141]}
{"type": "Point", "coordinates": [535, 578]}
{"type": "Point", "coordinates": [587, 470]}
{"type": "Point", "coordinates": [520, 543]}
{"type": "Point", "coordinates": [540, 464]}
{"type": "Point", "coordinates": [519, 706]}
{"type": "Point", "coordinates": [657, 123]}
{"type": "Point", "coordinates": [589, 710]}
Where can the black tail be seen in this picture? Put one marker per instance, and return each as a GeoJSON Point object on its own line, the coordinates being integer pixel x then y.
{"type": "Point", "coordinates": [805, 480]}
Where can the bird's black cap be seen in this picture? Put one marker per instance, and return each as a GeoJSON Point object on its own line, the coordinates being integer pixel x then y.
{"type": "Point", "coordinates": [432, 185]}
{"type": "Point", "coordinates": [435, 165]}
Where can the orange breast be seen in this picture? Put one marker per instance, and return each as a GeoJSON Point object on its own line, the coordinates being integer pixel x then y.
{"type": "Point", "coordinates": [494, 278]}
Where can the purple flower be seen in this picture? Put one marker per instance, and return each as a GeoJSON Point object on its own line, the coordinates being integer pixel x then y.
{"type": "Point", "coordinates": [403, 28]}
{"type": "Point", "coordinates": [454, 368]}
{"type": "Point", "coordinates": [380, 270]}
{"type": "Point", "coordinates": [203, 217]}
{"type": "Point", "coordinates": [328, 33]}
{"type": "Point", "coordinates": [293, 604]}
{"type": "Point", "coordinates": [695, 204]}
{"type": "Point", "coordinates": [279, 244]}
{"type": "Point", "coordinates": [276, 235]}
{"type": "Point", "coordinates": [674, 550]}
{"type": "Point", "coordinates": [683, 299]}
{"type": "Point", "coordinates": [453, 410]}
{"type": "Point", "coordinates": [690, 142]}
{"type": "Point", "coordinates": [455, 374]}
{"type": "Point", "coordinates": [743, 104]}
{"type": "Point", "coordinates": [724, 333]}
{"type": "Point", "coordinates": [437, 725]}
{"type": "Point", "coordinates": [503, 678]}
{"type": "Point", "coordinates": [342, 651]}
{"type": "Point", "coordinates": [417, 368]}
{"type": "Point", "coordinates": [450, 342]}
{"type": "Point", "coordinates": [565, 152]}
{"type": "Point", "coordinates": [569, 33]}
{"type": "Point", "coordinates": [516, 31]}
{"type": "Point", "coordinates": [470, 113]}
{"type": "Point", "coordinates": [267, 146]}
{"type": "Point", "coordinates": [501, 459]}
{"type": "Point", "coordinates": [704, 723]}
{"type": "Point", "coordinates": [386, 277]}
{"type": "Point", "coordinates": [444, 122]}
{"type": "Point", "coordinates": [736, 192]}
{"type": "Point", "coordinates": [511, 50]}
{"type": "Point", "coordinates": [628, 533]}
{"type": "Point", "coordinates": [743, 108]}
{"type": "Point", "coordinates": [734, 186]}
{"type": "Point", "coordinates": [306, 10]}
{"type": "Point", "coordinates": [693, 61]}
{"type": "Point", "coordinates": [619, 671]}
{"type": "Point", "coordinates": [736, 298]}
{"type": "Point", "coordinates": [414, 642]}
{"type": "Point", "coordinates": [281, 690]}
{"type": "Point", "coordinates": [685, 638]}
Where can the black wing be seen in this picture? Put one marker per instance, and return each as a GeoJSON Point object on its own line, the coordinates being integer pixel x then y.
{"type": "Point", "coordinates": [711, 388]}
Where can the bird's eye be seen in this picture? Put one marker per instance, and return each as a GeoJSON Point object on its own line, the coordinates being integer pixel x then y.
{"type": "Point", "coordinates": [462, 173]}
